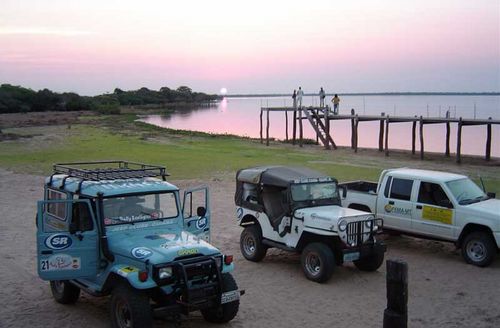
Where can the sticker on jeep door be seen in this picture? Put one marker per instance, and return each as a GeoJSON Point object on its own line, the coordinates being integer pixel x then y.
{"type": "Point", "coordinates": [59, 262]}
{"type": "Point", "coordinates": [442, 215]}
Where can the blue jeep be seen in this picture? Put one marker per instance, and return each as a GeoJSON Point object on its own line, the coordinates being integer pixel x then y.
{"type": "Point", "coordinates": [114, 228]}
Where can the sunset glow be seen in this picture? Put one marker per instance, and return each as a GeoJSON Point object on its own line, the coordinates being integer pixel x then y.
{"type": "Point", "coordinates": [260, 46]}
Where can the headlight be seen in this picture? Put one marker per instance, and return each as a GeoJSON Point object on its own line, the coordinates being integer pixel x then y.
{"type": "Point", "coordinates": [165, 273]}
{"type": "Point", "coordinates": [342, 225]}
{"type": "Point", "coordinates": [218, 261]}
{"type": "Point", "coordinates": [368, 224]}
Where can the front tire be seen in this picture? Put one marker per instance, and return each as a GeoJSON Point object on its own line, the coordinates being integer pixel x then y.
{"type": "Point", "coordinates": [478, 248]}
{"type": "Point", "coordinates": [371, 262]}
{"type": "Point", "coordinates": [224, 312]}
{"type": "Point", "coordinates": [64, 292]}
{"type": "Point", "coordinates": [130, 308]}
{"type": "Point", "coordinates": [318, 262]}
{"type": "Point", "coordinates": [251, 243]}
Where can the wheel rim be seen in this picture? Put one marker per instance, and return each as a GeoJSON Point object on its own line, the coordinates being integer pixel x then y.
{"type": "Point", "coordinates": [249, 245]}
{"type": "Point", "coordinates": [476, 250]}
{"type": "Point", "coordinates": [59, 286]}
{"type": "Point", "coordinates": [123, 316]}
{"type": "Point", "coordinates": [313, 264]}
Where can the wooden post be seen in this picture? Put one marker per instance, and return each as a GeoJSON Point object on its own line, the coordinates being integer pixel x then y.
{"type": "Point", "coordinates": [267, 128]}
{"type": "Point", "coordinates": [261, 141]}
{"type": "Point", "coordinates": [300, 129]}
{"type": "Point", "coordinates": [413, 136]}
{"type": "Point", "coordinates": [488, 141]}
{"type": "Point", "coordinates": [327, 128]}
{"type": "Point", "coordinates": [447, 153]}
{"type": "Point", "coordinates": [396, 313]}
{"type": "Point", "coordinates": [294, 125]}
{"type": "Point", "coordinates": [381, 136]}
{"type": "Point", "coordinates": [459, 140]}
{"type": "Point", "coordinates": [356, 121]}
{"type": "Point", "coordinates": [352, 133]}
{"type": "Point", "coordinates": [286, 124]}
{"type": "Point", "coordinates": [317, 125]}
{"type": "Point", "coordinates": [421, 138]}
{"type": "Point", "coordinates": [387, 136]}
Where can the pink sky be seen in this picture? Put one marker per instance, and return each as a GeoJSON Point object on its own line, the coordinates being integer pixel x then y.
{"type": "Point", "coordinates": [256, 46]}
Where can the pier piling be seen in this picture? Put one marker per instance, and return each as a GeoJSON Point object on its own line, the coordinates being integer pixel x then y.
{"type": "Point", "coordinates": [488, 141]}
{"type": "Point", "coordinates": [459, 140]}
{"type": "Point", "coordinates": [421, 138]}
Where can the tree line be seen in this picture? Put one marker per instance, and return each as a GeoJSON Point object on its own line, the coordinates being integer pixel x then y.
{"type": "Point", "coordinates": [17, 99]}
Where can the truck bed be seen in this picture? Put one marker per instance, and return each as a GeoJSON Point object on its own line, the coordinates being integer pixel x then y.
{"type": "Point", "coordinates": [361, 186]}
{"type": "Point", "coordinates": [361, 195]}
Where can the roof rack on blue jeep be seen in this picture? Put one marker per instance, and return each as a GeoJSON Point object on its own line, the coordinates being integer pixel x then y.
{"type": "Point", "coordinates": [107, 170]}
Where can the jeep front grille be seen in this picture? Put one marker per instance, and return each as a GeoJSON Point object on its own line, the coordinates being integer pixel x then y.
{"type": "Point", "coordinates": [360, 231]}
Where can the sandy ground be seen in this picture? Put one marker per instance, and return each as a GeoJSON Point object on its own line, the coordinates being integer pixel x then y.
{"type": "Point", "coordinates": [443, 290]}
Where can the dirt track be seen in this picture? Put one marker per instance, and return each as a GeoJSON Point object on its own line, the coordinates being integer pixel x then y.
{"type": "Point", "coordinates": [443, 290]}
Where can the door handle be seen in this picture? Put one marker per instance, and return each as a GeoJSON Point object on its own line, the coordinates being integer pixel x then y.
{"type": "Point", "coordinates": [419, 207]}
{"type": "Point", "coordinates": [391, 202]}
{"type": "Point", "coordinates": [46, 252]}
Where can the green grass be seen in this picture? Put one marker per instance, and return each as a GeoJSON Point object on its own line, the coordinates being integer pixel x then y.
{"type": "Point", "coordinates": [186, 156]}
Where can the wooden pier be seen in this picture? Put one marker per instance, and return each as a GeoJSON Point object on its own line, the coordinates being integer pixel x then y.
{"type": "Point", "coordinates": [320, 117]}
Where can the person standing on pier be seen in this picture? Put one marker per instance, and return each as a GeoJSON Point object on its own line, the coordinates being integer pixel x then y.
{"type": "Point", "coordinates": [300, 94]}
{"type": "Point", "coordinates": [294, 97]}
{"type": "Point", "coordinates": [336, 102]}
{"type": "Point", "coordinates": [322, 97]}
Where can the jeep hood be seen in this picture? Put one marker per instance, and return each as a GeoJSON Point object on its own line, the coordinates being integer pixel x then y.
{"type": "Point", "coordinates": [158, 246]}
{"type": "Point", "coordinates": [327, 217]}
{"type": "Point", "coordinates": [489, 207]}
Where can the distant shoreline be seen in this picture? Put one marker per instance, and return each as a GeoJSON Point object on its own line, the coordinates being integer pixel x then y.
{"type": "Point", "coordinates": [270, 95]}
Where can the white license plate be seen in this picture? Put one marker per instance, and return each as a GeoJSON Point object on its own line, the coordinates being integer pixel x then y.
{"type": "Point", "coordinates": [231, 296]}
{"type": "Point", "coordinates": [351, 256]}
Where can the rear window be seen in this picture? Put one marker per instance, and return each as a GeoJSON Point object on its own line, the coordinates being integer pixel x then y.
{"type": "Point", "coordinates": [401, 189]}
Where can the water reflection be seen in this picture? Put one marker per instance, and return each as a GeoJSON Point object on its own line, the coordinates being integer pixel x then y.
{"type": "Point", "coordinates": [240, 116]}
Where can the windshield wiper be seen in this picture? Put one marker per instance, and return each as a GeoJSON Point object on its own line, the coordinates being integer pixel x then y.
{"type": "Point", "coordinates": [471, 201]}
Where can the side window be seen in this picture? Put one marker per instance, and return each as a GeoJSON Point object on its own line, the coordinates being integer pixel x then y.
{"type": "Point", "coordinates": [401, 189]}
{"type": "Point", "coordinates": [387, 187]}
{"type": "Point", "coordinates": [432, 194]}
{"type": "Point", "coordinates": [54, 218]}
{"type": "Point", "coordinates": [57, 210]}
{"type": "Point", "coordinates": [194, 201]}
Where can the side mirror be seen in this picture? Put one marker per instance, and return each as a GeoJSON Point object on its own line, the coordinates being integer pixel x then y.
{"type": "Point", "coordinates": [201, 211]}
{"type": "Point", "coordinates": [491, 194]}
{"type": "Point", "coordinates": [344, 191]}
{"type": "Point", "coordinates": [445, 203]}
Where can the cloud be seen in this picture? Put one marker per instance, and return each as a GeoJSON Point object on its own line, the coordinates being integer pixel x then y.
{"type": "Point", "coordinates": [42, 31]}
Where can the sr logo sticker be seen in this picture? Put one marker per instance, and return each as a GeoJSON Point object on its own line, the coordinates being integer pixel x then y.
{"type": "Point", "coordinates": [58, 241]}
{"type": "Point", "coordinates": [201, 223]}
{"type": "Point", "coordinates": [141, 252]}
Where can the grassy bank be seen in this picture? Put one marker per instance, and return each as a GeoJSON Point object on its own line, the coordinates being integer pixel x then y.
{"type": "Point", "coordinates": [188, 155]}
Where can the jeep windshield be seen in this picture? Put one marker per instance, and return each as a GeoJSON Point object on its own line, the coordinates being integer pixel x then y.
{"type": "Point", "coordinates": [139, 208]}
{"type": "Point", "coordinates": [314, 191]}
{"type": "Point", "coordinates": [466, 192]}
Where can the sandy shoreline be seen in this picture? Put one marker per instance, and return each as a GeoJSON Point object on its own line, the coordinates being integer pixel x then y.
{"type": "Point", "coordinates": [443, 290]}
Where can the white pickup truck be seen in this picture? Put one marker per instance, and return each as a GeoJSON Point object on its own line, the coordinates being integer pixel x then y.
{"type": "Point", "coordinates": [430, 204]}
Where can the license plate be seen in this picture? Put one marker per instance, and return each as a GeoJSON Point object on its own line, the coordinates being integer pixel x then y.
{"type": "Point", "coordinates": [351, 256]}
{"type": "Point", "coordinates": [231, 296]}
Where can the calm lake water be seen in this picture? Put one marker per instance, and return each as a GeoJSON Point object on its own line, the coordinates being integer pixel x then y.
{"type": "Point", "coordinates": [240, 116]}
